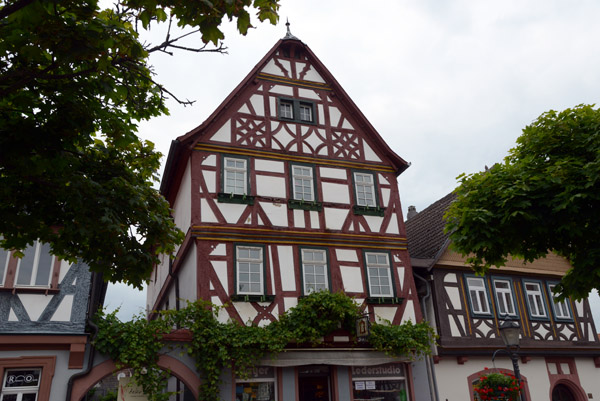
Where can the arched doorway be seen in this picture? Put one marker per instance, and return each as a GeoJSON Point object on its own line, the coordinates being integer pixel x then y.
{"type": "Point", "coordinates": [562, 393]}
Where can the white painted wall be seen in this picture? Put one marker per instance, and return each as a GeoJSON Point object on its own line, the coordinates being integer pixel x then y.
{"type": "Point", "coordinates": [187, 277]}
{"type": "Point", "coordinates": [270, 186]}
{"type": "Point", "coordinates": [182, 208]}
{"type": "Point", "coordinates": [588, 376]}
{"type": "Point", "coordinates": [336, 193]}
{"type": "Point", "coordinates": [452, 377]}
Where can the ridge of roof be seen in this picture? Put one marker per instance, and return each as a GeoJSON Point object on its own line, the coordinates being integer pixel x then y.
{"type": "Point", "coordinates": [425, 231]}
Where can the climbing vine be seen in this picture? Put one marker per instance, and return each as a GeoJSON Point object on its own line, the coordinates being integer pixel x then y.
{"type": "Point", "coordinates": [214, 346]}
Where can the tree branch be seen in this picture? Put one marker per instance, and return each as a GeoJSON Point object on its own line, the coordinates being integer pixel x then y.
{"type": "Point", "coordinates": [12, 8]}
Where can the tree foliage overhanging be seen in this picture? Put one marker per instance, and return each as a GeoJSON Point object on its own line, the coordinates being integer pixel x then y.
{"type": "Point", "coordinates": [74, 82]}
{"type": "Point", "coordinates": [544, 197]}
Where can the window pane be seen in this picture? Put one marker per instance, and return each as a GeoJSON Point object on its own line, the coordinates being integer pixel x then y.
{"type": "Point", "coordinates": [44, 266]}
{"type": "Point", "coordinates": [3, 263]}
{"type": "Point", "coordinates": [26, 266]}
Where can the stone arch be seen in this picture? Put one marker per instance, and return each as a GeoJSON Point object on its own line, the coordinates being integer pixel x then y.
{"type": "Point", "coordinates": [177, 368]}
{"type": "Point", "coordinates": [574, 388]}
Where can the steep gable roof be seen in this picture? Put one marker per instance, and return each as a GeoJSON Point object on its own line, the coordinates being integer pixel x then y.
{"type": "Point", "coordinates": [183, 145]}
{"type": "Point", "coordinates": [425, 231]}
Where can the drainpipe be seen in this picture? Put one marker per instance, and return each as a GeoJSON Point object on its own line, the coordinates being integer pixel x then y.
{"type": "Point", "coordinates": [96, 297]}
{"type": "Point", "coordinates": [433, 388]}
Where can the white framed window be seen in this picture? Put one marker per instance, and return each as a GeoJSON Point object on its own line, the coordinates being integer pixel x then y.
{"type": "Point", "coordinates": [379, 274]}
{"type": "Point", "coordinates": [535, 299]}
{"type": "Point", "coordinates": [249, 270]}
{"type": "Point", "coordinates": [21, 384]}
{"type": "Point", "coordinates": [306, 112]}
{"type": "Point", "coordinates": [364, 185]}
{"type": "Point", "coordinates": [34, 268]}
{"type": "Point", "coordinates": [303, 183]}
{"type": "Point", "coordinates": [259, 386]}
{"type": "Point", "coordinates": [235, 176]}
{"type": "Point", "coordinates": [4, 258]}
{"type": "Point", "coordinates": [314, 270]}
{"type": "Point", "coordinates": [504, 297]}
{"type": "Point", "coordinates": [478, 295]}
{"type": "Point", "coordinates": [286, 109]}
{"type": "Point", "coordinates": [561, 309]}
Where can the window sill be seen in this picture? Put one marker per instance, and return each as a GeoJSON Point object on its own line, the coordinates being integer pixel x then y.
{"type": "Point", "coordinates": [252, 298]}
{"type": "Point", "coordinates": [30, 290]}
{"type": "Point", "coordinates": [235, 198]}
{"type": "Point", "coordinates": [305, 205]}
{"type": "Point", "coordinates": [384, 300]}
{"type": "Point", "coordinates": [368, 210]}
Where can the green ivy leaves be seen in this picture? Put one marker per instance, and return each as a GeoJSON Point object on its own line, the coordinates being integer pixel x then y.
{"type": "Point", "coordinates": [216, 346]}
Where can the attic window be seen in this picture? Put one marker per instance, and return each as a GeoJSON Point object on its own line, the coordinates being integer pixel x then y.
{"type": "Point", "coordinates": [302, 111]}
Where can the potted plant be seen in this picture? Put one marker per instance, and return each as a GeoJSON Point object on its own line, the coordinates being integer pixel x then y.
{"type": "Point", "coordinates": [497, 386]}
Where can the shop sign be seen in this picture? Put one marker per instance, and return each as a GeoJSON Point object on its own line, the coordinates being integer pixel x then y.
{"type": "Point", "coordinates": [388, 370]}
{"type": "Point", "coordinates": [130, 391]}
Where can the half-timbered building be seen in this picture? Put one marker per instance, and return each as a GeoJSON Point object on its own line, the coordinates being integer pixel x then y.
{"type": "Point", "coordinates": [559, 349]}
{"type": "Point", "coordinates": [284, 190]}
{"type": "Point", "coordinates": [45, 304]}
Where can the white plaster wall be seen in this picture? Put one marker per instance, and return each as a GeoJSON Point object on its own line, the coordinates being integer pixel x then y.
{"type": "Point", "coordinates": [64, 268]}
{"type": "Point", "coordinates": [270, 186]}
{"type": "Point", "coordinates": [282, 90]}
{"type": "Point", "coordinates": [277, 213]}
{"type": "Point", "coordinates": [63, 312]}
{"type": "Point", "coordinates": [35, 304]}
{"type": "Point", "coordinates": [588, 376]}
{"type": "Point", "coordinates": [223, 134]}
{"type": "Point", "coordinates": [286, 268]}
{"type": "Point", "coordinates": [269, 165]}
{"type": "Point", "coordinates": [258, 104]}
{"type": "Point", "coordinates": [452, 377]}
{"type": "Point", "coordinates": [352, 279]}
{"type": "Point", "coordinates": [334, 218]}
{"type": "Point", "coordinates": [308, 93]}
{"type": "Point", "coordinates": [182, 208]}
{"type": "Point", "coordinates": [187, 277]}
{"type": "Point", "coordinates": [273, 69]}
{"type": "Point", "coordinates": [312, 75]}
{"type": "Point", "coordinates": [337, 193]}
{"type": "Point", "coordinates": [231, 211]}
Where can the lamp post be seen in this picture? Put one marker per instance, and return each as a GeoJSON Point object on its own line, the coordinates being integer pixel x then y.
{"type": "Point", "coordinates": [510, 331]}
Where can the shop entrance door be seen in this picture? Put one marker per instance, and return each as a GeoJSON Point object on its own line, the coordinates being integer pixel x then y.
{"type": "Point", "coordinates": [314, 383]}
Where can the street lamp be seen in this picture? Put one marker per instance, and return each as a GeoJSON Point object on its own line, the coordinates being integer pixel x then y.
{"type": "Point", "coordinates": [510, 331]}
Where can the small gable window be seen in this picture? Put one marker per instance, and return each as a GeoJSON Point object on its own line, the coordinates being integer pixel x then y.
{"type": "Point", "coordinates": [235, 183]}
{"type": "Point", "coordinates": [561, 308]}
{"type": "Point", "coordinates": [535, 299]}
{"type": "Point", "coordinates": [366, 200]}
{"type": "Point", "coordinates": [504, 298]}
{"type": "Point", "coordinates": [286, 109]}
{"type": "Point", "coordinates": [478, 295]}
{"type": "Point", "coordinates": [379, 274]}
{"type": "Point", "coordinates": [295, 110]}
{"type": "Point", "coordinates": [314, 270]}
{"type": "Point", "coordinates": [35, 266]}
{"type": "Point", "coordinates": [303, 183]}
{"type": "Point", "coordinates": [250, 270]}
{"type": "Point", "coordinates": [4, 258]}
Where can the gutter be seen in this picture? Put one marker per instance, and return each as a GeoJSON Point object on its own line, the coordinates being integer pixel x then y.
{"type": "Point", "coordinates": [95, 301]}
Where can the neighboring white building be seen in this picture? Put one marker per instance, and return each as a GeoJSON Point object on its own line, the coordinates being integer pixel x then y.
{"type": "Point", "coordinates": [559, 348]}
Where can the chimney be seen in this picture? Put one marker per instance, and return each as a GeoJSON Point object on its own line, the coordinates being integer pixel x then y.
{"type": "Point", "coordinates": [412, 212]}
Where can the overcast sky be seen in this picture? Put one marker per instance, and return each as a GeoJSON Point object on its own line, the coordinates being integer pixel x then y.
{"type": "Point", "coordinates": [448, 84]}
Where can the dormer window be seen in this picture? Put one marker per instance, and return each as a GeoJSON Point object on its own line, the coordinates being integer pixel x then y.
{"type": "Point", "coordinates": [301, 111]}
{"type": "Point", "coordinates": [306, 112]}
{"type": "Point", "coordinates": [286, 109]}
{"type": "Point", "coordinates": [35, 267]}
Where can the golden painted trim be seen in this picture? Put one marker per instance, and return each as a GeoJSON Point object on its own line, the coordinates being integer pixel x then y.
{"type": "Point", "coordinates": [255, 240]}
{"type": "Point", "coordinates": [520, 296]}
{"type": "Point", "coordinates": [462, 287]}
{"type": "Point", "coordinates": [575, 319]}
{"type": "Point", "coordinates": [294, 82]}
{"type": "Point", "coordinates": [300, 240]}
{"type": "Point", "coordinates": [301, 159]}
{"type": "Point", "coordinates": [299, 232]}
{"type": "Point", "coordinates": [550, 310]}
{"type": "Point", "coordinates": [493, 301]}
